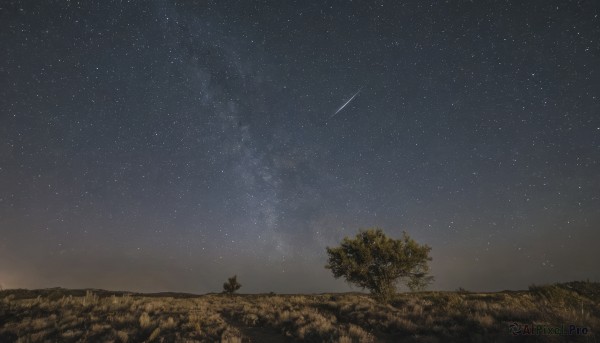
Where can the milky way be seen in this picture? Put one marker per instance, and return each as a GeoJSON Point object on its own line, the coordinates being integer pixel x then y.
{"type": "Point", "coordinates": [168, 145]}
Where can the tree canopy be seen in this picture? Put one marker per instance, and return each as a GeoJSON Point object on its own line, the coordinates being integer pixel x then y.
{"type": "Point", "coordinates": [373, 261]}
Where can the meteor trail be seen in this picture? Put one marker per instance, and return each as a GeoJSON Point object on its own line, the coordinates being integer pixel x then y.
{"type": "Point", "coordinates": [347, 102]}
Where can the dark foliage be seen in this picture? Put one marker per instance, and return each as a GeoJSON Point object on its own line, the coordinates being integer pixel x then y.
{"type": "Point", "coordinates": [232, 285]}
{"type": "Point", "coordinates": [376, 262]}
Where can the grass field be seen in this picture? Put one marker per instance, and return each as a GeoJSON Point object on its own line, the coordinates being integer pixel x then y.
{"type": "Point", "coordinates": [61, 315]}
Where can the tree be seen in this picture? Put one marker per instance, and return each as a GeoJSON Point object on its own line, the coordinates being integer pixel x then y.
{"type": "Point", "coordinates": [376, 262]}
{"type": "Point", "coordinates": [231, 285]}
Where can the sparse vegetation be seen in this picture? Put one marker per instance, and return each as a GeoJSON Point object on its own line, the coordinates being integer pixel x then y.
{"type": "Point", "coordinates": [232, 285]}
{"type": "Point", "coordinates": [376, 262]}
{"type": "Point", "coordinates": [461, 290]}
{"type": "Point", "coordinates": [100, 316]}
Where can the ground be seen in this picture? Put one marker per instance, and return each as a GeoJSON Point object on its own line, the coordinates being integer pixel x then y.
{"type": "Point", "coordinates": [61, 315]}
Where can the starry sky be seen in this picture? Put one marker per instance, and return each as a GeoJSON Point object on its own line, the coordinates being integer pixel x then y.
{"type": "Point", "coordinates": [167, 145]}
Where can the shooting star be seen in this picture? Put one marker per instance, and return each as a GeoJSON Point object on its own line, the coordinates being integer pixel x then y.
{"type": "Point", "coordinates": [347, 102]}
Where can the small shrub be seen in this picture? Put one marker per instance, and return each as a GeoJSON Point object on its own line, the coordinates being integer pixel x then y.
{"type": "Point", "coordinates": [144, 320]}
{"type": "Point", "coordinates": [461, 290]}
{"type": "Point", "coordinates": [123, 336]}
{"type": "Point", "coordinates": [231, 335]}
{"type": "Point", "coordinates": [168, 324]}
{"type": "Point", "coordinates": [485, 320]}
{"type": "Point", "coordinates": [232, 285]}
{"type": "Point", "coordinates": [154, 334]}
{"type": "Point", "coordinates": [553, 293]}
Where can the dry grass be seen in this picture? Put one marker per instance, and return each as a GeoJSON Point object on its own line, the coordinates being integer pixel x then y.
{"type": "Point", "coordinates": [87, 316]}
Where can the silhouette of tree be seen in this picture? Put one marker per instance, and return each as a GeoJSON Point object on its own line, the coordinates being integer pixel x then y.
{"type": "Point", "coordinates": [231, 285]}
{"type": "Point", "coordinates": [376, 262]}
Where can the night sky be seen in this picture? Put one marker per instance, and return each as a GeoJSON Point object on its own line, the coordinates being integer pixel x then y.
{"type": "Point", "coordinates": [168, 145]}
